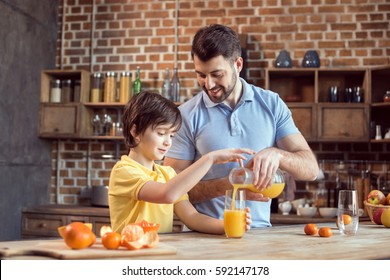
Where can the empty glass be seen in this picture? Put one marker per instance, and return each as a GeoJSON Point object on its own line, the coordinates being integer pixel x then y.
{"type": "Point", "coordinates": [97, 125]}
{"type": "Point", "coordinates": [348, 212]}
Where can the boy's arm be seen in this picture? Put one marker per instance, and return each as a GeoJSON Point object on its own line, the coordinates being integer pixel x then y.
{"type": "Point", "coordinates": [206, 190]}
{"type": "Point", "coordinates": [197, 221]}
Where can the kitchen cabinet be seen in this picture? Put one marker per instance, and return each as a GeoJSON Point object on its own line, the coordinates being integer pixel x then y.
{"type": "Point", "coordinates": [64, 119]}
{"type": "Point", "coordinates": [306, 93]}
{"type": "Point", "coordinates": [42, 221]}
{"type": "Point", "coordinates": [380, 77]}
{"type": "Point", "coordinates": [74, 119]}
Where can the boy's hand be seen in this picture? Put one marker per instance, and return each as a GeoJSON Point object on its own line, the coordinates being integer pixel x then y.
{"type": "Point", "coordinates": [248, 218]}
{"type": "Point", "coordinates": [228, 155]}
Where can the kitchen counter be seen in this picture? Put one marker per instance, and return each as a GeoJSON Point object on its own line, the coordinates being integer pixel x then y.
{"type": "Point", "coordinates": [275, 243]}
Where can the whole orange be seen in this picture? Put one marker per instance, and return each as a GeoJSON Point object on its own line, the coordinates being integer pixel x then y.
{"type": "Point", "coordinates": [77, 235]}
{"type": "Point", "coordinates": [325, 232]}
{"type": "Point", "coordinates": [311, 229]}
{"type": "Point", "coordinates": [111, 240]}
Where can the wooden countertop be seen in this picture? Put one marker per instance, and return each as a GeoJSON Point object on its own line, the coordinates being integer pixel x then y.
{"type": "Point", "coordinates": [275, 243]}
{"type": "Point", "coordinates": [276, 219]}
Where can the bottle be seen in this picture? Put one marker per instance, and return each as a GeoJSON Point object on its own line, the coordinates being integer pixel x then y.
{"type": "Point", "coordinates": [166, 85]}
{"type": "Point", "coordinates": [67, 91]}
{"type": "Point", "coordinates": [137, 85]}
{"type": "Point", "coordinates": [110, 87]}
{"type": "Point", "coordinates": [378, 135]}
{"type": "Point", "coordinates": [97, 88]}
{"type": "Point", "coordinates": [175, 87]}
{"type": "Point", "coordinates": [124, 87]}
{"type": "Point", "coordinates": [55, 91]}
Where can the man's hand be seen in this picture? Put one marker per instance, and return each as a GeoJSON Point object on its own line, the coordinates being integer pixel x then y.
{"type": "Point", "coordinates": [264, 165]}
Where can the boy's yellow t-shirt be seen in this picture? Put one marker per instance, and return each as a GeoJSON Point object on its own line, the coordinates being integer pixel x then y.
{"type": "Point", "coordinates": [126, 179]}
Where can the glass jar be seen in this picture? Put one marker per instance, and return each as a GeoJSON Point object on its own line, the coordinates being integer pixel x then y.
{"type": "Point", "coordinates": [110, 87]}
{"type": "Point", "coordinates": [124, 87]}
{"type": "Point", "coordinates": [96, 88]}
{"type": "Point", "coordinates": [55, 91]}
{"type": "Point", "coordinates": [67, 91]}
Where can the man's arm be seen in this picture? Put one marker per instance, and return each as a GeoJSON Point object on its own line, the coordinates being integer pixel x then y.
{"type": "Point", "coordinates": [292, 154]}
{"type": "Point", "coordinates": [297, 158]}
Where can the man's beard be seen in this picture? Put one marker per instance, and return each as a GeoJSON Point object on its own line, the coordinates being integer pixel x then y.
{"type": "Point", "coordinates": [225, 92]}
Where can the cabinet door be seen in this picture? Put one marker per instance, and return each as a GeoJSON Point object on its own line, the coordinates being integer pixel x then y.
{"type": "Point", "coordinates": [59, 120]}
{"type": "Point", "coordinates": [304, 116]}
{"type": "Point", "coordinates": [343, 123]}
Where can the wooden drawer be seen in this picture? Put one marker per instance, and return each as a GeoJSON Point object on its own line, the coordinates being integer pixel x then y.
{"type": "Point", "coordinates": [38, 225]}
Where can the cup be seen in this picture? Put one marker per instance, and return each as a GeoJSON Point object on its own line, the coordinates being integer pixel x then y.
{"type": "Point", "coordinates": [348, 212]}
{"type": "Point", "coordinates": [285, 207]}
{"type": "Point", "coordinates": [333, 94]}
{"type": "Point", "coordinates": [234, 218]}
{"type": "Point", "coordinates": [348, 94]}
{"type": "Point", "coordinates": [358, 94]}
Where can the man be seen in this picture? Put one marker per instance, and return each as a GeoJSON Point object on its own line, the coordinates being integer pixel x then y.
{"type": "Point", "coordinates": [229, 112]}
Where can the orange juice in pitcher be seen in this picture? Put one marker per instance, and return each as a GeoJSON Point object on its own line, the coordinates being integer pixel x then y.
{"type": "Point", "coordinates": [242, 178]}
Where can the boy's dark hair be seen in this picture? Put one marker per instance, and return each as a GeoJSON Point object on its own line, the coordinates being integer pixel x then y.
{"type": "Point", "coordinates": [148, 109]}
{"type": "Point", "coordinates": [214, 40]}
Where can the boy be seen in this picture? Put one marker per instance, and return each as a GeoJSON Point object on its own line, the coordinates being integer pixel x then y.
{"type": "Point", "coordinates": [141, 189]}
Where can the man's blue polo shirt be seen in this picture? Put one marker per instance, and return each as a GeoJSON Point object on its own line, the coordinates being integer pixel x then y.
{"type": "Point", "coordinates": [257, 122]}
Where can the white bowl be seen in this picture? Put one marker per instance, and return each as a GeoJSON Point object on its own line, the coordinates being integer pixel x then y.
{"type": "Point", "coordinates": [328, 212]}
{"type": "Point", "coordinates": [307, 211]}
{"type": "Point", "coordinates": [298, 202]}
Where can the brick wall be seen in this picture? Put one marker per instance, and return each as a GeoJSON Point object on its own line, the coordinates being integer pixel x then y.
{"type": "Point", "coordinates": [120, 35]}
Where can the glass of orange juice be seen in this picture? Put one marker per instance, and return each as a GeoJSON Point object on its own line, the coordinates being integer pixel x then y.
{"type": "Point", "coordinates": [234, 215]}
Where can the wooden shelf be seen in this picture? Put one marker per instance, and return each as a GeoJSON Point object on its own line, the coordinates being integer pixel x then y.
{"type": "Point", "coordinates": [316, 117]}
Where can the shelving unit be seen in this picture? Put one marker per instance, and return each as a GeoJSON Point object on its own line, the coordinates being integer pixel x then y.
{"type": "Point", "coordinates": [380, 111]}
{"type": "Point", "coordinates": [73, 120]}
{"type": "Point", "coordinates": [305, 90]}
{"type": "Point", "coordinates": [317, 118]}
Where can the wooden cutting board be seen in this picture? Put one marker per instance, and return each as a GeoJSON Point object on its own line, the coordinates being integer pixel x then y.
{"type": "Point", "coordinates": [58, 250]}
